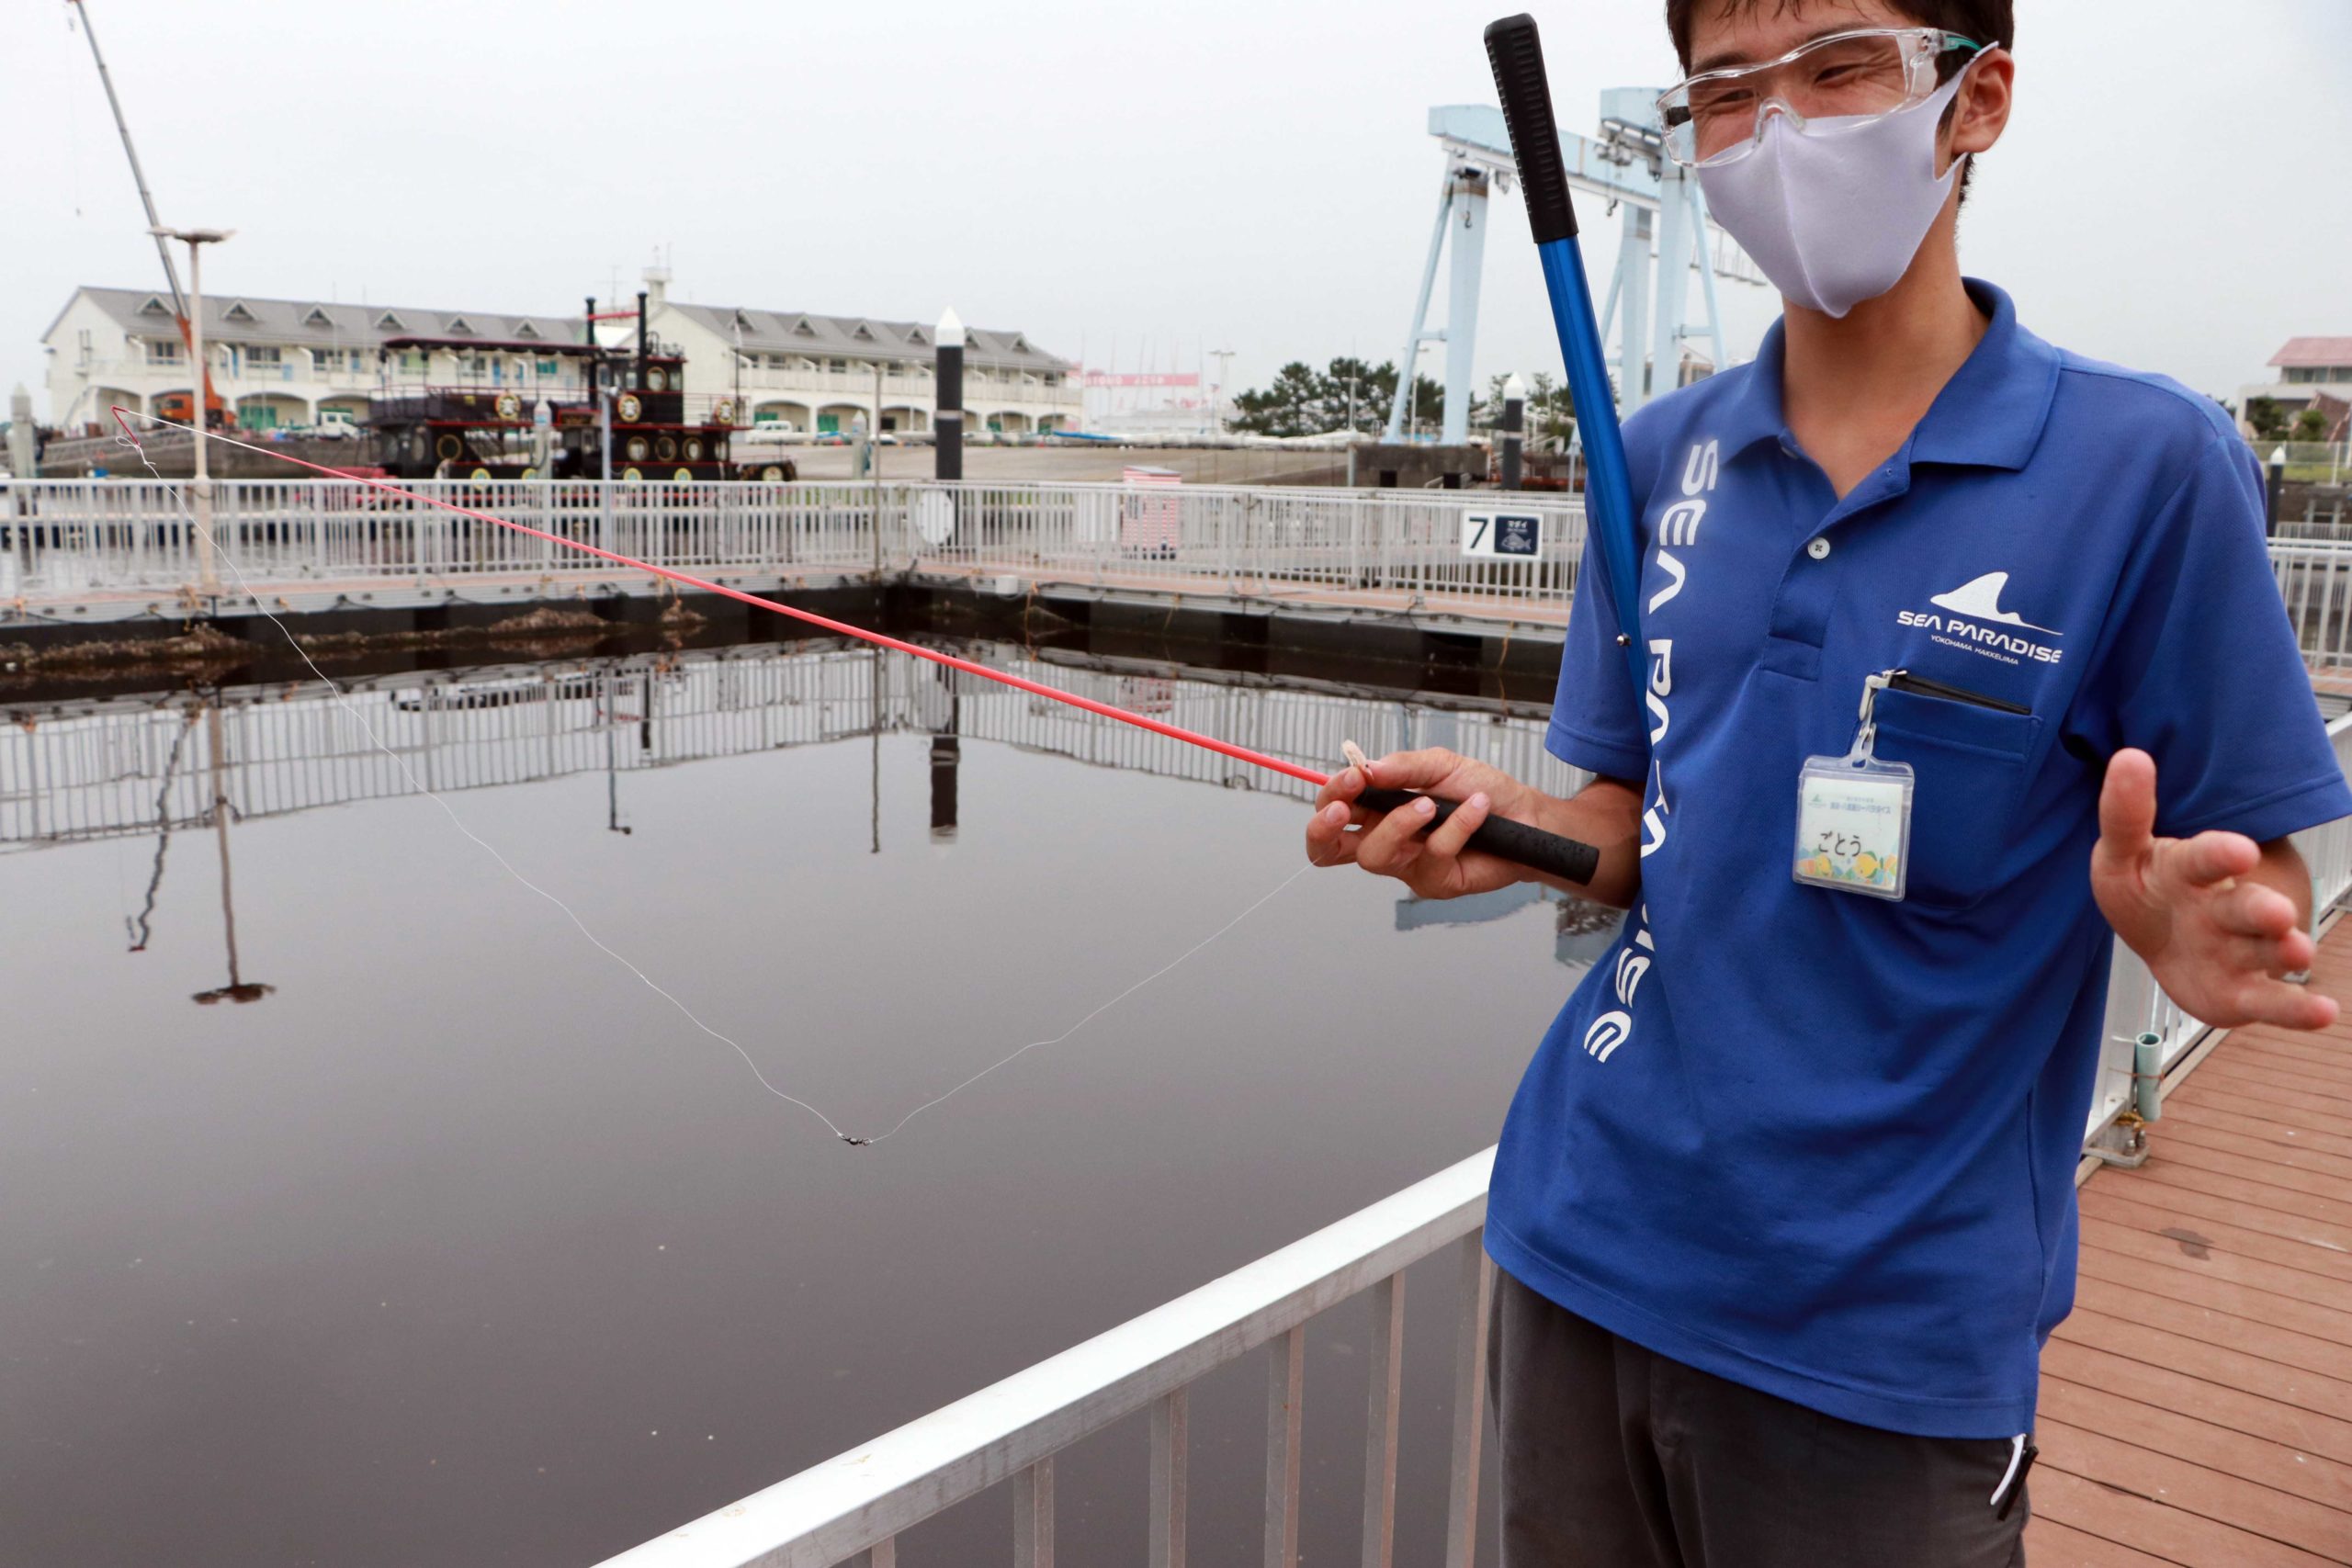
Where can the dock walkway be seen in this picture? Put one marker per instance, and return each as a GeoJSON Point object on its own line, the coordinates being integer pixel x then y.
{"type": "Point", "coordinates": [2197, 1407]}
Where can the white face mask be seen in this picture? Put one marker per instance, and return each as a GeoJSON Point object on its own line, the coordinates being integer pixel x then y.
{"type": "Point", "coordinates": [1836, 218]}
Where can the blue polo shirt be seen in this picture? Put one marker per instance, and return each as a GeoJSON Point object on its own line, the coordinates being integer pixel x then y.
{"type": "Point", "coordinates": [1821, 1143]}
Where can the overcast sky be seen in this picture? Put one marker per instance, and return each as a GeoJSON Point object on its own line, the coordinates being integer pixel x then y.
{"type": "Point", "coordinates": [2174, 193]}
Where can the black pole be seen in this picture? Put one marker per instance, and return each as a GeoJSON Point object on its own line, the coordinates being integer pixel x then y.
{"type": "Point", "coordinates": [641, 340]}
{"type": "Point", "coordinates": [946, 752]}
{"type": "Point", "coordinates": [588, 336]}
{"type": "Point", "coordinates": [1514, 433]}
{"type": "Point", "coordinates": [947, 401]}
{"type": "Point", "coordinates": [2277, 492]}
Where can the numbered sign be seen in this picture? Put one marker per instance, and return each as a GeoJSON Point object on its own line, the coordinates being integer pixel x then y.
{"type": "Point", "coordinates": [1501, 535]}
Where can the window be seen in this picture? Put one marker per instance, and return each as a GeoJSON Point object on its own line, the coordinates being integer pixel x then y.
{"type": "Point", "coordinates": [527, 330]}
{"type": "Point", "coordinates": [388, 322]}
{"type": "Point", "coordinates": [236, 312]}
{"type": "Point", "coordinates": [163, 351]}
{"type": "Point", "coordinates": [82, 344]}
{"type": "Point", "coordinates": [459, 326]}
{"type": "Point", "coordinates": [316, 317]}
{"type": "Point", "coordinates": [154, 306]}
{"type": "Point", "coordinates": [548, 367]}
{"type": "Point", "coordinates": [262, 356]}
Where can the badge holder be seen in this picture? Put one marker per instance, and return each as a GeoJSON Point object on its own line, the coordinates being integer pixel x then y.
{"type": "Point", "coordinates": [1854, 814]}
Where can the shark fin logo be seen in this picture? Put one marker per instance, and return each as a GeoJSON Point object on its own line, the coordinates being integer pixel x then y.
{"type": "Point", "coordinates": [1980, 600]}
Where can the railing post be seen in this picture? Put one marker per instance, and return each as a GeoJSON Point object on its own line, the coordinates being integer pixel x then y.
{"type": "Point", "coordinates": [1285, 1390]}
{"type": "Point", "coordinates": [1382, 1408]}
{"type": "Point", "coordinates": [881, 1554]}
{"type": "Point", "coordinates": [1033, 1515]}
{"type": "Point", "coordinates": [1168, 1439]}
{"type": "Point", "coordinates": [1469, 1402]}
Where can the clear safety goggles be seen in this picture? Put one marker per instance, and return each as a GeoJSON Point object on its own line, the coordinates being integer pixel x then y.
{"type": "Point", "coordinates": [1848, 80]}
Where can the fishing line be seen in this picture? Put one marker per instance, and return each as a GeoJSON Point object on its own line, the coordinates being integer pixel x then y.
{"type": "Point", "coordinates": [418, 785]}
{"type": "Point", "coordinates": [1562, 858]}
{"type": "Point", "coordinates": [142, 929]}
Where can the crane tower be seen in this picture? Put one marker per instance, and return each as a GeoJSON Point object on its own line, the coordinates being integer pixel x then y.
{"type": "Point", "coordinates": [1665, 232]}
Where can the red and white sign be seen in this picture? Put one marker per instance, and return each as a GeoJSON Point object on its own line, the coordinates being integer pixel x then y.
{"type": "Point", "coordinates": [1144, 378]}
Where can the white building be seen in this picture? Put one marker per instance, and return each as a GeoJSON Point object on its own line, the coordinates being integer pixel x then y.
{"type": "Point", "coordinates": [283, 362]}
{"type": "Point", "coordinates": [288, 362]}
{"type": "Point", "coordinates": [818, 373]}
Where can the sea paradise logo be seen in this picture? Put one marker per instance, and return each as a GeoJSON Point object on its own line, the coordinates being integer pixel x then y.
{"type": "Point", "coordinates": [1971, 618]}
{"type": "Point", "coordinates": [1677, 529]}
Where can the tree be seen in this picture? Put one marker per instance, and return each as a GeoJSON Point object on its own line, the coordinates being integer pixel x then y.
{"type": "Point", "coordinates": [2310, 425]}
{"type": "Point", "coordinates": [2266, 419]}
{"type": "Point", "coordinates": [1300, 401]}
{"type": "Point", "coordinates": [1290, 406]}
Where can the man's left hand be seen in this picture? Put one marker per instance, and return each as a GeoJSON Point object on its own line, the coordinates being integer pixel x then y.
{"type": "Point", "coordinates": [2214, 934]}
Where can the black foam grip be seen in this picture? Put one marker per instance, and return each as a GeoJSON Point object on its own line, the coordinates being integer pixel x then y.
{"type": "Point", "coordinates": [1514, 842]}
{"type": "Point", "coordinates": [1517, 55]}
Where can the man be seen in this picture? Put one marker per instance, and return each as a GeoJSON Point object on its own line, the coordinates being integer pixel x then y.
{"type": "Point", "coordinates": [1785, 1207]}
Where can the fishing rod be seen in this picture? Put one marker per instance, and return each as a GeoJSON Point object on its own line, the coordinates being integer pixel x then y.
{"type": "Point", "coordinates": [1515, 52]}
{"type": "Point", "coordinates": [1515, 841]}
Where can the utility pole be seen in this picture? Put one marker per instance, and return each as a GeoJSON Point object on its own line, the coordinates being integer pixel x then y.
{"type": "Point", "coordinates": [1224, 358]}
{"type": "Point", "coordinates": [200, 490]}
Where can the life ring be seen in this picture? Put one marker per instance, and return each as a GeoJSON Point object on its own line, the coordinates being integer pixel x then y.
{"type": "Point", "coordinates": [530, 473]}
{"type": "Point", "coordinates": [657, 380]}
{"type": "Point", "coordinates": [449, 447]}
{"type": "Point", "coordinates": [638, 448]}
{"type": "Point", "coordinates": [666, 448]}
{"type": "Point", "coordinates": [684, 475]}
{"type": "Point", "coordinates": [479, 475]}
{"type": "Point", "coordinates": [630, 408]}
{"type": "Point", "coordinates": [693, 449]}
{"type": "Point", "coordinates": [630, 477]}
{"type": "Point", "coordinates": [772, 474]}
{"type": "Point", "coordinates": [509, 406]}
{"type": "Point", "coordinates": [723, 411]}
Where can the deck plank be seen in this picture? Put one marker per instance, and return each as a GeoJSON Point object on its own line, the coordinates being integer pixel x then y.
{"type": "Point", "coordinates": [2306, 1432]}
{"type": "Point", "coordinates": [2141, 1209]}
{"type": "Point", "coordinates": [2312, 1477]}
{"type": "Point", "coordinates": [2236, 1286]}
{"type": "Point", "coordinates": [2185, 1249]}
{"type": "Point", "coordinates": [2197, 1407]}
{"type": "Point", "coordinates": [2211, 1130]}
{"type": "Point", "coordinates": [2145, 1524]}
{"type": "Point", "coordinates": [2143, 1306]}
{"type": "Point", "coordinates": [2261, 1512]}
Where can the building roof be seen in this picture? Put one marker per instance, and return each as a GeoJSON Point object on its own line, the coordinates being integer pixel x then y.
{"type": "Point", "coordinates": [2314, 352]}
{"type": "Point", "coordinates": [773, 332]}
{"type": "Point", "coordinates": [231, 317]}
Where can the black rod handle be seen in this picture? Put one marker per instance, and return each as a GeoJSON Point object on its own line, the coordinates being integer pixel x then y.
{"type": "Point", "coordinates": [1514, 842]}
{"type": "Point", "coordinates": [1515, 52]}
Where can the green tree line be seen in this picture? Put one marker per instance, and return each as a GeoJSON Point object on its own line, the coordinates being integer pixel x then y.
{"type": "Point", "coordinates": [1302, 401]}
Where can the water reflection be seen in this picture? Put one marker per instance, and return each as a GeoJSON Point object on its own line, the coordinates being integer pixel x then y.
{"type": "Point", "coordinates": [463, 1249]}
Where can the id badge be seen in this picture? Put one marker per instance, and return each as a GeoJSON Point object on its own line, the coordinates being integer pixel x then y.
{"type": "Point", "coordinates": [1854, 817]}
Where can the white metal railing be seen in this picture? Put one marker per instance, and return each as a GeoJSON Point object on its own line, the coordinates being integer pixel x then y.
{"type": "Point", "coordinates": [60, 538]}
{"type": "Point", "coordinates": [859, 1502]}
{"type": "Point", "coordinates": [65, 538]}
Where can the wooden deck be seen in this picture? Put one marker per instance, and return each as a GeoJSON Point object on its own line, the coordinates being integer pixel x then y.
{"type": "Point", "coordinates": [2197, 1407]}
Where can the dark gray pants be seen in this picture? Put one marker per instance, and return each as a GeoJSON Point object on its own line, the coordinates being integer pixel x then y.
{"type": "Point", "coordinates": [1614, 1457]}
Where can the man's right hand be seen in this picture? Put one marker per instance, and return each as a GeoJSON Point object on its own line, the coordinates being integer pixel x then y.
{"type": "Point", "coordinates": [1433, 863]}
